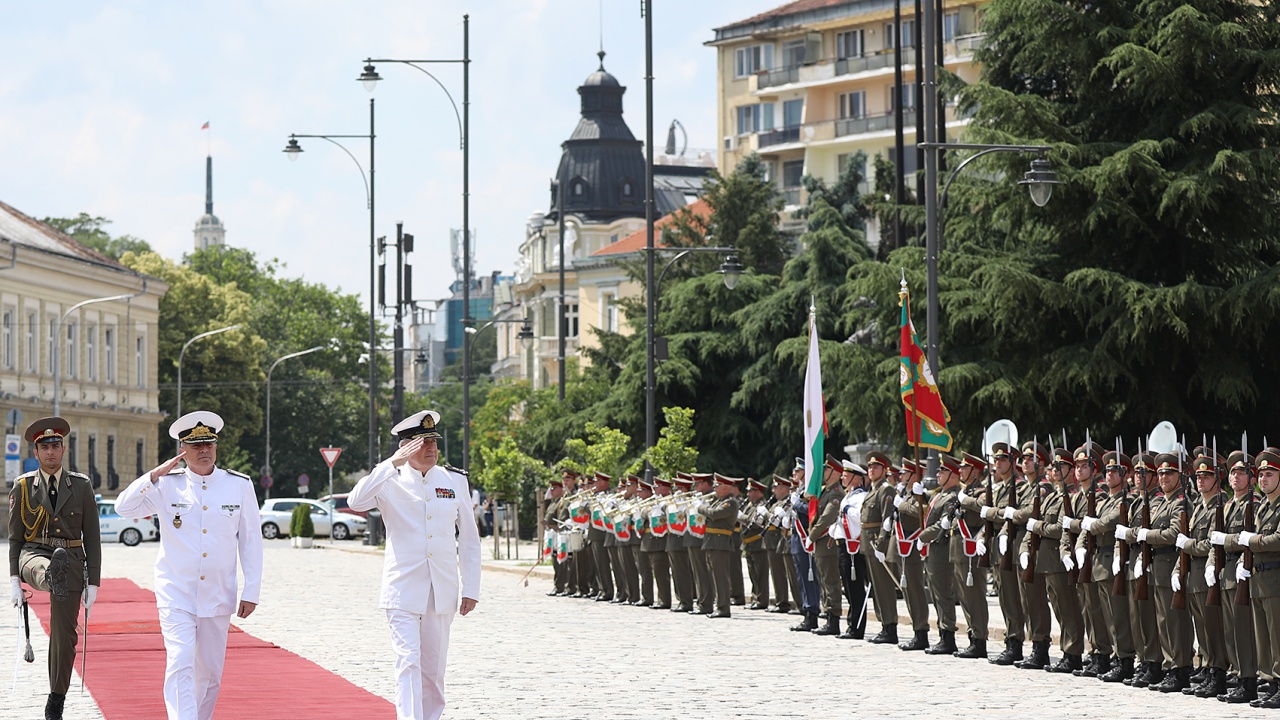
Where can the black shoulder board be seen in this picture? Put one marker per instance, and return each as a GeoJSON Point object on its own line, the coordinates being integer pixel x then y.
{"type": "Point", "coordinates": [239, 474]}
{"type": "Point", "coordinates": [453, 469]}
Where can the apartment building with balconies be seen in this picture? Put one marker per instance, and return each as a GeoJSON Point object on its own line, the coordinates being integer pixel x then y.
{"type": "Point", "coordinates": [810, 83]}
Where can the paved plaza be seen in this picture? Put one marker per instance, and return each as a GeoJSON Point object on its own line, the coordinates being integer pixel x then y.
{"type": "Point", "coordinates": [525, 655]}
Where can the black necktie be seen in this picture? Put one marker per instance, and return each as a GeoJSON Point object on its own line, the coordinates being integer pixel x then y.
{"type": "Point", "coordinates": [53, 490]}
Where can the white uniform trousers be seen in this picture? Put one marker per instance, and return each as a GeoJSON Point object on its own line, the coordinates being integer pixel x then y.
{"type": "Point", "coordinates": [195, 649]}
{"type": "Point", "coordinates": [421, 647]}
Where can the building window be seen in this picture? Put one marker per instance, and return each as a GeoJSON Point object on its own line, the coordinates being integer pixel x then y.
{"type": "Point", "coordinates": [853, 105]}
{"type": "Point", "coordinates": [113, 478]}
{"type": "Point", "coordinates": [72, 345]}
{"type": "Point", "coordinates": [849, 44]}
{"type": "Point", "coordinates": [792, 173]}
{"type": "Point", "coordinates": [32, 326]}
{"type": "Point", "coordinates": [109, 353]}
{"type": "Point", "coordinates": [94, 476]}
{"type": "Point", "coordinates": [908, 34]}
{"type": "Point", "coordinates": [793, 53]}
{"type": "Point", "coordinates": [91, 351]}
{"type": "Point", "coordinates": [139, 361]}
{"type": "Point", "coordinates": [138, 458]}
{"type": "Point", "coordinates": [792, 113]}
{"type": "Point", "coordinates": [626, 190]}
{"type": "Point", "coordinates": [908, 94]}
{"type": "Point", "coordinates": [6, 339]}
{"type": "Point", "coordinates": [571, 319]}
{"type": "Point", "coordinates": [52, 345]}
{"type": "Point", "coordinates": [609, 312]}
{"type": "Point", "coordinates": [950, 26]}
{"type": "Point", "coordinates": [755, 118]}
{"type": "Point", "coordinates": [751, 60]}
{"type": "Point", "coordinates": [909, 165]}
{"type": "Point", "coordinates": [73, 442]}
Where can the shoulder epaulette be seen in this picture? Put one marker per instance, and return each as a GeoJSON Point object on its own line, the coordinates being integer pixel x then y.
{"type": "Point", "coordinates": [453, 469]}
{"type": "Point", "coordinates": [239, 474]}
{"type": "Point", "coordinates": [80, 475]}
{"type": "Point", "coordinates": [176, 471]}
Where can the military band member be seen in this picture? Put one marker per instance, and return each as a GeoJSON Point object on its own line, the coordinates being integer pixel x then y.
{"type": "Point", "coordinates": [1242, 649]}
{"type": "Point", "coordinates": [936, 536]}
{"type": "Point", "coordinates": [777, 542]}
{"type": "Point", "coordinates": [826, 551]}
{"type": "Point", "coordinates": [1142, 611]}
{"type": "Point", "coordinates": [968, 545]}
{"type": "Point", "coordinates": [677, 552]}
{"type": "Point", "coordinates": [703, 590]}
{"type": "Point", "coordinates": [564, 522]}
{"type": "Point", "coordinates": [551, 500]}
{"type": "Point", "coordinates": [598, 538]}
{"type": "Point", "coordinates": [854, 574]}
{"type": "Point", "coordinates": [1008, 588]}
{"type": "Point", "coordinates": [583, 569]}
{"type": "Point", "coordinates": [655, 545]}
{"type": "Point", "coordinates": [644, 567]}
{"type": "Point", "coordinates": [1051, 576]}
{"type": "Point", "coordinates": [904, 541]}
{"type": "Point", "coordinates": [1173, 624]}
{"type": "Point", "coordinates": [876, 512]}
{"type": "Point", "coordinates": [1263, 579]}
{"type": "Point", "coordinates": [210, 519]}
{"type": "Point", "coordinates": [54, 545]}
{"type": "Point", "coordinates": [722, 515]}
{"type": "Point", "coordinates": [801, 557]}
{"type": "Point", "coordinates": [756, 521]}
{"type": "Point", "coordinates": [1208, 618]}
{"type": "Point", "coordinates": [737, 583]}
{"type": "Point", "coordinates": [629, 548]}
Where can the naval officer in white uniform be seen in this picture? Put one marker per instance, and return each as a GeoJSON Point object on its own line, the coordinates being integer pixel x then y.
{"type": "Point", "coordinates": [431, 540]}
{"type": "Point", "coordinates": [208, 518]}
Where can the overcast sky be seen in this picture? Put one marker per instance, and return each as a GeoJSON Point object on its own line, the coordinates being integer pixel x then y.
{"type": "Point", "coordinates": [101, 105]}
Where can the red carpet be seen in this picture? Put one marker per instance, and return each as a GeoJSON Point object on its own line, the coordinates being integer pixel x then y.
{"type": "Point", "coordinates": [126, 668]}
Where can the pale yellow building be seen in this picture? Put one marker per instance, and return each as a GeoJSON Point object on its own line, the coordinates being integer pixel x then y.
{"type": "Point", "coordinates": [808, 84]}
{"type": "Point", "coordinates": [106, 352]}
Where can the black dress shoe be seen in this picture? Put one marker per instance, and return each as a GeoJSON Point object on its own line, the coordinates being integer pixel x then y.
{"type": "Point", "coordinates": [919, 641]}
{"type": "Point", "coordinates": [59, 567]}
{"type": "Point", "coordinates": [1068, 664]}
{"type": "Point", "coordinates": [53, 706]}
{"type": "Point", "coordinates": [682, 609]}
{"type": "Point", "coordinates": [888, 635]}
{"type": "Point", "coordinates": [1245, 691]}
{"type": "Point", "coordinates": [719, 614]}
{"type": "Point", "coordinates": [1012, 653]}
{"type": "Point", "coordinates": [976, 649]}
{"type": "Point", "coordinates": [780, 609]}
{"type": "Point", "coordinates": [604, 598]}
{"type": "Point", "coordinates": [660, 607]}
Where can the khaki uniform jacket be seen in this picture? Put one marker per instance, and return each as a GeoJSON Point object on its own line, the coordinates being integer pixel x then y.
{"type": "Point", "coordinates": [32, 515]}
{"type": "Point", "coordinates": [967, 512]}
{"type": "Point", "coordinates": [1233, 514]}
{"type": "Point", "coordinates": [1112, 510]}
{"type": "Point", "coordinates": [1200, 548]}
{"type": "Point", "coordinates": [942, 504]}
{"type": "Point", "coordinates": [1165, 523]}
{"type": "Point", "coordinates": [722, 515]}
{"type": "Point", "coordinates": [776, 532]}
{"type": "Point", "coordinates": [910, 517]}
{"type": "Point", "coordinates": [873, 515]}
{"type": "Point", "coordinates": [1049, 530]}
{"type": "Point", "coordinates": [828, 515]}
{"type": "Point", "coordinates": [1265, 582]}
{"type": "Point", "coordinates": [753, 529]}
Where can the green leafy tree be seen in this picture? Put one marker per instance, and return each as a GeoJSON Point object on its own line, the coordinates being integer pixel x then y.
{"type": "Point", "coordinates": [604, 449]}
{"type": "Point", "coordinates": [89, 231]}
{"type": "Point", "coordinates": [674, 451]}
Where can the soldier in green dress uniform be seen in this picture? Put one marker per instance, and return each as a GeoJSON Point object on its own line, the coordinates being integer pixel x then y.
{"type": "Point", "coordinates": [717, 545]}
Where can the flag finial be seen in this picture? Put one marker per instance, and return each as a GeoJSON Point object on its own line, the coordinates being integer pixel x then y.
{"type": "Point", "coordinates": [902, 291]}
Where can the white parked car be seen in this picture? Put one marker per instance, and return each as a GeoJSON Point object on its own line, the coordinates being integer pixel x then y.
{"type": "Point", "coordinates": [117, 529]}
{"type": "Point", "coordinates": [277, 513]}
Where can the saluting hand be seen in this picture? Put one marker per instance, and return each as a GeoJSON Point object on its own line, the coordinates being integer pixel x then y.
{"type": "Point", "coordinates": [168, 467]}
{"type": "Point", "coordinates": [406, 451]}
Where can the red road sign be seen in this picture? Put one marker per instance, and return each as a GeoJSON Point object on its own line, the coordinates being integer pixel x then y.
{"type": "Point", "coordinates": [330, 455]}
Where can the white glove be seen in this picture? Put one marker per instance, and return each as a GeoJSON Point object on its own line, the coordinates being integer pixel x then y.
{"type": "Point", "coordinates": [987, 512]}
{"type": "Point", "coordinates": [1004, 544]}
{"type": "Point", "coordinates": [962, 496]}
{"type": "Point", "coordinates": [945, 522]}
{"type": "Point", "coordinates": [15, 593]}
{"type": "Point", "coordinates": [1087, 523]}
{"type": "Point", "coordinates": [1218, 538]}
{"type": "Point", "coordinates": [1023, 560]}
{"type": "Point", "coordinates": [1182, 541]}
{"type": "Point", "coordinates": [898, 500]}
{"type": "Point", "coordinates": [879, 556]}
{"type": "Point", "coordinates": [1142, 534]}
{"type": "Point", "coordinates": [1067, 563]}
{"type": "Point", "coordinates": [919, 545]}
{"type": "Point", "coordinates": [1242, 573]}
{"type": "Point", "coordinates": [1138, 569]}
{"type": "Point", "coordinates": [1115, 565]}
{"type": "Point", "coordinates": [981, 548]}
{"type": "Point", "coordinates": [1211, 574]}
{"type": "Point", "coordinates": [1080, 555]}
{"type": "Point", "coordinates": [888, 523]}
{"type": "Point", "coordinates": [1246, 536]}
{"type": "Point", "coordinates": [1122, 532]}
{"type": "Point", "coordinates": [1008, 513]}
{"type": "Point", "coordinates": [917, 488]}
{"type": "Point", "coordinates": [1031, 524]}
{"type": "Point", "coordinates": [90, 596]}
{"type": "Point", "coordinates": [1176, 581]}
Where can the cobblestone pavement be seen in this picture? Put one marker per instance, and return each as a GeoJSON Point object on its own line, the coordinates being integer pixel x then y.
{"type": "Point", "coordinates": [525, 655]}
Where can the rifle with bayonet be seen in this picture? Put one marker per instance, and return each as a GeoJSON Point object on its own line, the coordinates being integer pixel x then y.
{"type": "Point", "coordinates": [1119, 586]}
{"type": "Point", "coordinates": [1066, 516]}
{"type": "Point", "coordinates": [1006, 558]}
{"type": "Point", "coordinates": [1184, 556]}
{"type": "Point", "coordinates": [1246, 559]}
{"type": "Point", "coordinates": [1141, 591]}
{"type": "Point", "coordinates": [1091, 510]}
{"type": "Point", "coordinates": [984, 560]}
{"type": "Point", "coordinates": [1033, 540]}
{"type": "Point", "coordinates": [1219, 557]}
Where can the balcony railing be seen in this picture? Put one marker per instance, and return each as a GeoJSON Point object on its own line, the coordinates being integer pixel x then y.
{"type": "Point", "coordinates": [965, 45]}
{"type": "Point", "coordinates": [778, 137]}
{"type": "Point", "coordinates": [791, 195]}
{"type": "Point", "coordinates": [781, 76]}
{"type": "Point", "coordinates": [883, 59]}
{"type": "Point", "coordinates": [873, 123]}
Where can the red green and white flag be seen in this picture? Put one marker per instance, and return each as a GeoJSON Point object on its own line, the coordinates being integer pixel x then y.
{"type": "Point", "coordinates": [815, 418]}
{"type": "Point", "coordinates": [927, 417]}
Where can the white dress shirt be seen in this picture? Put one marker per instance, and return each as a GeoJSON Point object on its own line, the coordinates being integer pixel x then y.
{"type": "Point", "coordinates": [196, 567]}
{"type": "Point", "coordinates": [431, 536]}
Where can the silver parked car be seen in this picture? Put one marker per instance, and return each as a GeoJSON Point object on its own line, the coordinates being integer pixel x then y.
{"type": "Point", "coordinates": [277, 513]}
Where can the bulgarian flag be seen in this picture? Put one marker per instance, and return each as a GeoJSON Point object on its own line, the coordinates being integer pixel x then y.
{"type": "Point", "coordinates": [815, 418]}
{"type": "Point", "coordinates": [927, 417]}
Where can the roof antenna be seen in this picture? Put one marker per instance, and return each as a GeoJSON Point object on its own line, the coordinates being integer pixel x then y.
{"type": "Point", "coordinates": [601, 16]}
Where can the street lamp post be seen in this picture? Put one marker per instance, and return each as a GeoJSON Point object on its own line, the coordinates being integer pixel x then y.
{"type": "Point", "coordinates": [269, 371]}
{"type": "Point", "coordinates": [183, 354]}
{"type": "Point", "coordinates": [57, 340]}
{"type": "Point", "coordinates": [370, 80]}
{"type": "Point", "coordinates": [293, 149]}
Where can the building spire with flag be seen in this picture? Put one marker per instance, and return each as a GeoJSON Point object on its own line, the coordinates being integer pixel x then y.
{"type": "Point", "coordinates": [815, 417]}
{"type": "Point", "coordinates": [927, 417]}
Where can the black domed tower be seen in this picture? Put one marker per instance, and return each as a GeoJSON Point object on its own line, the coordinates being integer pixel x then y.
{"type": "Point", "coordinates": [603, 163]}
